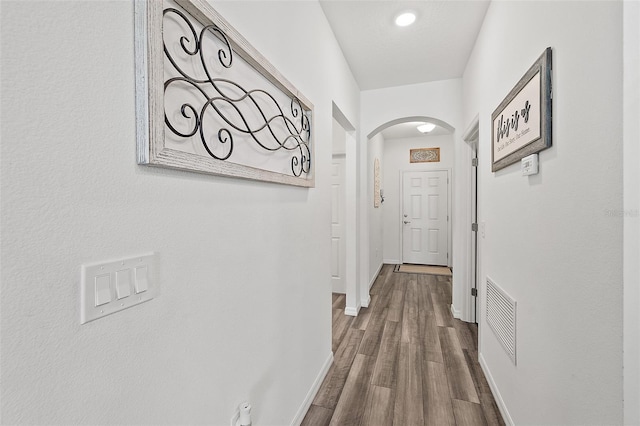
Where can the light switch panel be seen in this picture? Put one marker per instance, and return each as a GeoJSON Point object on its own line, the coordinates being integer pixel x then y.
{"type": "Point", "coordinates": [103, 289]}
{"type": "Point", "coordinates": [123, 283]}
{"type": "Point", "coordinates": [142, 279]}
{"type": "Point", "coordinates": [111, 286]}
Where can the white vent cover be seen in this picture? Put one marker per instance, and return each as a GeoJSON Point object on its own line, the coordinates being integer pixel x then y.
{"type": "Point", "coordinates": [501, 316]}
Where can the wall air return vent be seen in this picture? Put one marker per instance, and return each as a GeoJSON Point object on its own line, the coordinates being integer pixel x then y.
{"type": "Point", "coordinates": [501, 317]}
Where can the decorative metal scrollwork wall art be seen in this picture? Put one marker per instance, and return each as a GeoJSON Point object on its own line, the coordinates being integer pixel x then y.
{"type": "Point", "coordinates": [209, 102]}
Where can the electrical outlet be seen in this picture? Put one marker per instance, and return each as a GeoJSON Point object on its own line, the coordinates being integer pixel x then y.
{"type": "Point", "coordinates": [242, 415]}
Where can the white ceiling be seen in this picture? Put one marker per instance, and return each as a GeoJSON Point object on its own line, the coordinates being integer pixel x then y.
{"type": "Point", "coordinates": [409, 130]}
{"type": "Point", "coordinates": [380, 54]}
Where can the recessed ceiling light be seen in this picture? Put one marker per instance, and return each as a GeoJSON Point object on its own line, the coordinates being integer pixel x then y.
{"type": "Point", "coordinates": [426, 127]}
{"type": "Point", "coordinates": [405, 19]}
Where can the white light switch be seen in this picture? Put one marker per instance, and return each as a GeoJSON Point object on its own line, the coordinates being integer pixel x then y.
{"type": "Point", "coordinates": [103, 289]}
{"type": "Point", "coordinates": [108, 287]}
{"type": "Point", "coordinates": [142, 279]}
{"type": "Point", "coordinates": [123, 283]}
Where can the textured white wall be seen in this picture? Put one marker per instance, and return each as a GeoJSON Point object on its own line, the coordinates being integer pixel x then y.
{"type": "Point", "coordinates": [550, 242]}
{"type": "Point", "coordinates": [376, 228]}
{"type": "Point", "coordinates": [396, 153]}
{"type": "Point", "coordinates": [244, 309]}
{"type": "Point", "coordinates": [437, 99]}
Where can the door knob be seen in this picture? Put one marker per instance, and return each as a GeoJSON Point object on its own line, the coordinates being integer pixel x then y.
{"type": "Point", "coordinates": [404, 215]}
{"type": "Point", "coordinates": [405, 222]}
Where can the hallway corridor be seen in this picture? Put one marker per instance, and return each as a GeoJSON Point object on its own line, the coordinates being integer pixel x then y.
{"type": "Point", "coordinates": [404, 360]}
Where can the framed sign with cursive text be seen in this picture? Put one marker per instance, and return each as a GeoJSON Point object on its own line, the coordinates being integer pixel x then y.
{"type": "Point", "coordinates": [521, 125]}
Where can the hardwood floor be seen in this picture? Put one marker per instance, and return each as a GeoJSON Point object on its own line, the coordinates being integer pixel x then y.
{"type": "Point", "coordinates": [404, 361]}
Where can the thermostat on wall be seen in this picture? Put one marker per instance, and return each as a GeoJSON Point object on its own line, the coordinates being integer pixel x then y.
{"type": "Point", "coordinates": [529, 165]}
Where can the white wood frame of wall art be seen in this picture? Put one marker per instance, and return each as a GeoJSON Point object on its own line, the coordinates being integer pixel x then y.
{"type": "Point", "coordinates": [150, 109]}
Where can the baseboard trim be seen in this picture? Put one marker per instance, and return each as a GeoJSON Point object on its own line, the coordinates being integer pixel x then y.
{"type": "Point", "coordinates": [391, 261]}
{"type": "Point", "coordinates": [375, 276]}
{"type": "Point", "coordinates": [351, 311]}
{"type": "Point", "coordinates": [365, 302]}
{"type": "Point", "coordinates": [302, 411]}
{"type": "Point", "coordinates": [496, 393]}
{"type": "Point", "coordinates": [456, 313]}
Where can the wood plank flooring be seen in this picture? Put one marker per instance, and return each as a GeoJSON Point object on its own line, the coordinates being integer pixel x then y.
{"type": "Point", "coordinates": [404, 361]}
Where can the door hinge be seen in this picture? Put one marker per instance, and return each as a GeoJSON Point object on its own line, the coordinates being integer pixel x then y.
{"type": "Point", "coordinates": [474, 227]}
{"type": "Point", "coordinates": [474, 292]}
{"type": "Point", "coordinates": [474, 162]}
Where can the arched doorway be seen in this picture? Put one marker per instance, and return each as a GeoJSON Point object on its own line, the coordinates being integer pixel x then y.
{"type": "Point", "coordinates": [392, 143]}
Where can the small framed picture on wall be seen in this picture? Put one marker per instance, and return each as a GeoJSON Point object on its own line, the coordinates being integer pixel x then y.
{"type": "Point", "coordinates": [424, 155]}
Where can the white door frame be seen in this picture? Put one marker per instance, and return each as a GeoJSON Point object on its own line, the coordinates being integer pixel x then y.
{"type": "Point", "coordinates": [352, 210]}
{"type": "Point", "coordinates": [449, 211]}
{"type": "Point", "coordinates": [474, 233]}
{"type": "Point", "coordinates": [471, 246]}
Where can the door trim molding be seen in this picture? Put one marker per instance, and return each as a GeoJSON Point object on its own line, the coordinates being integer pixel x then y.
{"type": "Point", "coordinates": [471, 137]}
{"type": "Point", "coordinates": [462, 300]}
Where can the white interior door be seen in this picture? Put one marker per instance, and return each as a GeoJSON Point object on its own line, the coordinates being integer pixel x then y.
{"type": "Point", "coordinates": [425, 217]}
{"type": "Point", "coordinates": [338, 246]}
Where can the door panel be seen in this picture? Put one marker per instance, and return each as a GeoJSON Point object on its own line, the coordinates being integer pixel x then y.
{"type": "Point", "coordinates": [433, 241]}
{"type": "Point", "coordinates": [416, 240]}
{"type": "Point", "coordinates": [416, 207]}
{"type": "Point", "coordinates": [425, 236]}
{"type": "Point", "coordinates": [433, 207]}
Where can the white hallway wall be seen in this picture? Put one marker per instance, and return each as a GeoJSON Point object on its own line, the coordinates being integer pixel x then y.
{"type": "Point", "coordinates": [238, 259]}
{"type": "Point", "coordinates": [396, 154]}
{"type": "Point", "coordinates": [551, 241]}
